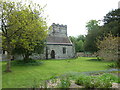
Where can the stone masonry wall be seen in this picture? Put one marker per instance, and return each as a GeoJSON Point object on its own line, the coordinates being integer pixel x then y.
{"type": "Point", "coordinates": [59, 51]}
{"type": "Point", "coordinates": [58, 30]}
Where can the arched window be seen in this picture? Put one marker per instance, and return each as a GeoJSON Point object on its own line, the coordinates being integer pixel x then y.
{"type": "Point", "coordinates": [53, 54]}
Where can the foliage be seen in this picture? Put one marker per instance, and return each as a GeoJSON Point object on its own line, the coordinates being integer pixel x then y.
{"type": "Point", "coordinates": [80, 46]}
{"type": "Point", "coordinates": [22, 26]}
{"type": "Point", "coordinates": [111, 25]}
{"type": "Point", "coordinates": [80, 80]}
{"type": "Point", "coordinates": [64, 82]}
{"type": "Point", "coordinates": [113, 65]}
{"type": "Point", "coordinates": [78, 42]}
{"type": "Point", "coordinates": [101, 81]}
{"type": "Point", "coordinates": [38, 48]}
{"type": "Point", "coordinates": [112, 16]}
{"type": "Point", "coordinates": [109, 48]}
{"type": "Point", "coordinates": [92, 27]}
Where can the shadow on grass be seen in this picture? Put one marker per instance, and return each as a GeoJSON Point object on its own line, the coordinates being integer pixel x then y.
{"type": "Point", "coordinates": [95, 60]}
{"type": "Point", "coordinates": [29, 63]}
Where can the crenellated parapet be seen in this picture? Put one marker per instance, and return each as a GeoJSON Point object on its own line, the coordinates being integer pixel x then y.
{"type": "Point", "coordinates": [58, 30]}
{"type": "Point", "coordinates": [58, 25]}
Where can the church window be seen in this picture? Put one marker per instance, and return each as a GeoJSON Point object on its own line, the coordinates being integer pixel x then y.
{"type": "Point", "coordinates": [64, 50]}
{"type": "Point", "coordinates": [3, 51]}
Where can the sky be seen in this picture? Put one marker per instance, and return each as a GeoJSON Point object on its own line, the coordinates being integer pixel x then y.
{"type": "Point", "coordinates": [76, 13]}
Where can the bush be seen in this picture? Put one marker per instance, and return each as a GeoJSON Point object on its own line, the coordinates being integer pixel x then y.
{"type": "Point", "coordinates": [87, 81]}
{"type": "Point", "coordinates": [80, 80]}
{"type": "Point", "coordinates": [108, 48]}
{"type": "Point", "coordinates": [102, 81]}
{"type": "Point", "coordinates": [64, 82]}
{"type": "Point", "coordinates": [113, 65]}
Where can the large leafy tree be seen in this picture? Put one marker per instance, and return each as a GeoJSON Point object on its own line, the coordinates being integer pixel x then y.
{"type": "Point", "coordinates": [112, 22]}
{"type": "Point", "coordinates": [109, 43]}
{"type": "Point", "coordinates": [90, 41]}
{"type": "Point", "coordinates": [31, 36]}
{"type": "Point", "coordinates": [111, 25]}
{"type": "Point", "coordinates": [112, 16]}
{"type": "Point", "coordinates": [22, 26]}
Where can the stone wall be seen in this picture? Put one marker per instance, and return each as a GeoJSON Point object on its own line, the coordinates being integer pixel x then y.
{"type": "Point", "coordinates": [20, 57]}
{"type": "Point", "coordinates": [82, 54]}
{"type": "Point", "coordinates": [59, 51]}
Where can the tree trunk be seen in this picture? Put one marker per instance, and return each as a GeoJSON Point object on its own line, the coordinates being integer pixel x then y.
{"type": "Point", "coordinates": [26, 58]}
{"type": "Point", "coordinates": [46, 53]}
{"type": "Point", "coordinates": [8, 65]}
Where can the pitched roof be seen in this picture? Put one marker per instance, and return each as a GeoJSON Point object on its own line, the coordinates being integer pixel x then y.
{"type": "Point", "coordinates": [58, 40]}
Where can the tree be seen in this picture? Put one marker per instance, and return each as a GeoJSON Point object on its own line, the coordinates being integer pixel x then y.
{"type": "Point", "coordinates": [78, 42]}
{"type": "Point", "coordinates": [111, 25]}
{"type": "Point", "coordinates": [73, 39]}
{"type": "Point", "coordinates": [112, 22]}
{"type": "Point", "coordinates": [22, 26]}
{"type": "Point", "coordinates": [109, 48]}
{"type": "Point", "coordinates": [92, 25]}
{"type": "Point", "coordinates": [80, 46]}
{"type": "Point", "coordinates": [81, 37]}
{"type": "Point", "coordinates": [112, 16]}
{"type": "Point", "coordinates": [27, 41]}
{"type": "Point", "coordinates": [90, 41]}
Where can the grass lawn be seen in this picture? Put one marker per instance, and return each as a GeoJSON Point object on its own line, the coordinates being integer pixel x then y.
{"type": "Point", "coordinates": [27, 76]}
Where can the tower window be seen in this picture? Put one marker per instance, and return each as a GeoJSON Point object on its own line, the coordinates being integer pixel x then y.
{"type": "Point", "coordinates": [64, 50]}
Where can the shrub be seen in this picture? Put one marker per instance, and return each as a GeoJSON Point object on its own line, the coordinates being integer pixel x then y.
{"type": "Point", "coordinates": [64, 82]}
{"type": "Point", "coordinates": [113, 65]}
{"type": "Point", "coordinates": [108, 48]}
{"type": "Point", "coordinates": [80, 80]}
{"type": "Point", "coordinates": [101, 81]}
{"type": "Point", "coordinates": [87, 81]}
{"type": "Point", "coordinates": [108, 77]}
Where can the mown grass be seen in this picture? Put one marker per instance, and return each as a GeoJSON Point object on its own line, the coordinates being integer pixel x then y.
{"type": "Point", "coordinates": [25, 76]}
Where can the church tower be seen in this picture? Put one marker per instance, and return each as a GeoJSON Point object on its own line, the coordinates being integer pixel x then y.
{"type": "Point", "coordinates": [58, 30]}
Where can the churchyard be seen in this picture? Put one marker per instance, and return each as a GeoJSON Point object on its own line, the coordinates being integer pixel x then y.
{"type": "Point", "coordinates": [36, 55]}
{"type": "Point", "coordinates": [35, 76]}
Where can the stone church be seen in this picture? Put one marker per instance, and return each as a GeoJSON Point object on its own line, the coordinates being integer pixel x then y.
{"type": "Point", "coordinates": [59, 45]}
